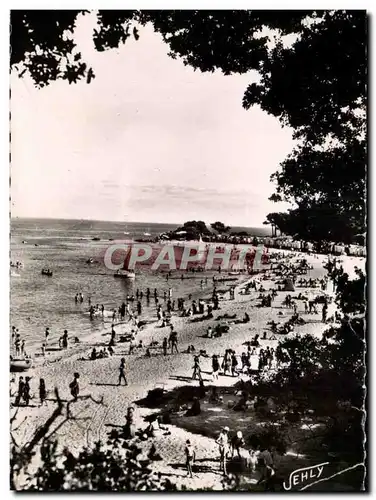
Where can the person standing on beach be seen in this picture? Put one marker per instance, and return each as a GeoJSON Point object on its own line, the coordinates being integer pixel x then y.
{"type": "Point", "coordinates": [47, 334]}
{"type": "Point", "coordinates": [222, 442]}
{"type": "Point", "coordinates": [236, 443]}
{"type": "Point", "coordinates": [13, 333]}
{"type": "Point", "coordinates": [139, 308]}
{"type": "Point", "coordinates": [132, 343]}
{"type": "Point", "coordinates": [17, 344]}
{"type": "Point", "coordinates": [122, 372]}
{"type": "Point", "coordinates": [173, 340]}
{"type": "Point", "coordinates": [22, 348]}
{"type": "Point", "coordinates": [215, 366]}
{"type": "Point", "coordinates": [234, 364]}
{"type": "Point", "coordinates": [42, 391]}
{"type": "Point", "coordinates": [74, 387]}
{"type": "Point", "coordinates": [267, 470]}
{"type": "Point", "coordinates": [64, 339]}
{"type": "Point", "coordinates": [165, 345]}
{"type": "Point", "coordinates": [324, 312]}
{"type": "Point", "coordinates": [190, 456]}
{"type": "Point", "coordinates": [226, 362]}
{"type": "Point", "coordinates": [26, 391]}
{"type": "Point", "coordinates": [21, 385]}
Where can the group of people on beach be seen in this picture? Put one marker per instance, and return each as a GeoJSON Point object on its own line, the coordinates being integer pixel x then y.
{"type": "Point", "coordinates": [23, 394]}
{"type": "Point", "coordinates": [18, 344]}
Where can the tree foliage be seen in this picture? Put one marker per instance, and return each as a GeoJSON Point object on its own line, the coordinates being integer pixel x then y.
{"type": "Point", "coordinates": [113, 467]}
{"type": "Point", "coordinates": [220, 227]}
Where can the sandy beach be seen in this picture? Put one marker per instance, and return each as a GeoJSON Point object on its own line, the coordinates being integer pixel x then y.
{"type": "Point", "coordinates": [99, 378]}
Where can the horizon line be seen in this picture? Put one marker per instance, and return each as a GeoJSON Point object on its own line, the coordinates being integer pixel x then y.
{"type": "Point", "coordinates": [125, 222]}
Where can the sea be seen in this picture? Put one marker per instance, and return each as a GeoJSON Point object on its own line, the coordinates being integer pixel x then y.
{"type": "Point", "coordinates": [64, 246]}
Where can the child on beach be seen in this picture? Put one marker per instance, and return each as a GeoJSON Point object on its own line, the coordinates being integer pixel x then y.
{"type": "Point", "coordinates": [190, 455]}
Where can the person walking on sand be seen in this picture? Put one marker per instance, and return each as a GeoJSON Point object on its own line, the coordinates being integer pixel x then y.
{"type": "Point", "coordinates": [222, 443]}
{"type": "Point", "coordinates": [74, 386]}
{"type": "Point", "coordinates": [196, 369]}
{"type": "Point", "coordinates": [42, 391]}
{"type": "Point", "coordinates": [190, 457]}
{"type": "Point", "coordinates": [122, 372]}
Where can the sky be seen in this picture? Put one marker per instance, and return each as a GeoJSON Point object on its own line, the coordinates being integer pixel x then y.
{"type": "Point", "coordinates": [149, 140]}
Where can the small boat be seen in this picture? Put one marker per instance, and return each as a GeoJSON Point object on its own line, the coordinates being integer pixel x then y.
{"type": "Point", "coordinates": [20, 364]}
{"type": "Point", "coordinates": [126, 272]}
{"type": "Point", "coordinates": [47, 272]}
{"type": "Point", "coordinates": [126, 232]}
{"type": "Point", "coordinates": [147, 234]}
{"type": "Point", "coordinates": [96, 239]}
{"type": "Point", "coordinates": [90, 261]}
